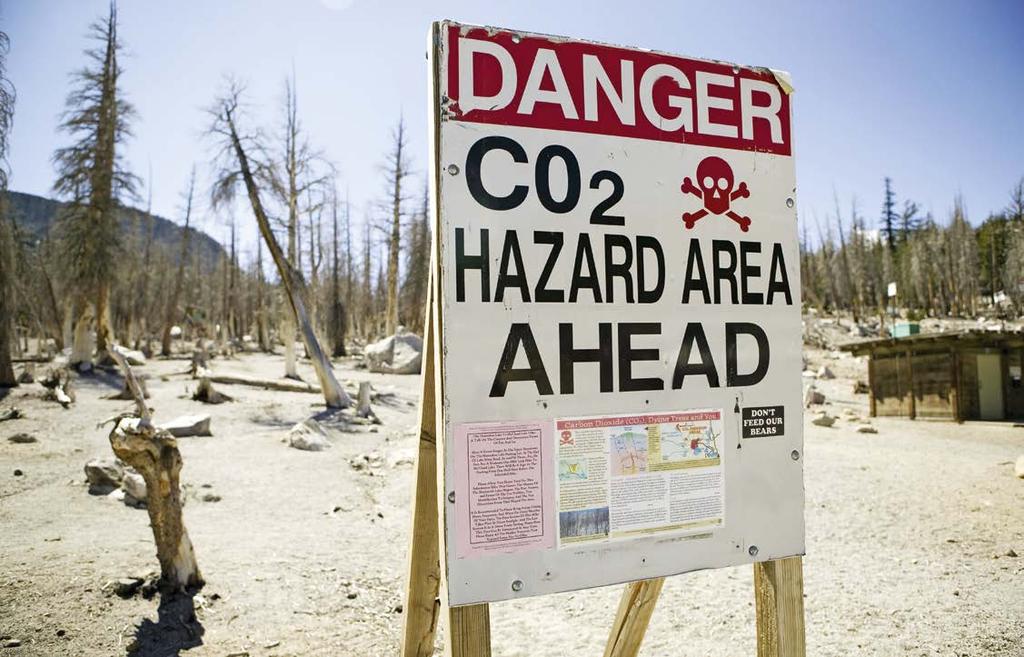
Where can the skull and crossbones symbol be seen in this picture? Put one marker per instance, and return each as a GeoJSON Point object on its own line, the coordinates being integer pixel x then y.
{"type": "Point", "coordinates": [715, 180]}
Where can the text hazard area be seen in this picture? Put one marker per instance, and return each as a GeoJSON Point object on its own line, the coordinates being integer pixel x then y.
{"type": "Point", "coordinates": [618, 311]}
{"type": "Point", "coordinates": [626, 476]}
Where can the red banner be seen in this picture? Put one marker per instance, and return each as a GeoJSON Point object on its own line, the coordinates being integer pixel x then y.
{"type": "Point", "coordinates": [506, 78]}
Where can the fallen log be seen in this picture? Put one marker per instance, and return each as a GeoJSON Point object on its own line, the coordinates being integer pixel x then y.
{"type": "Point", "coordinates": [154, 454]}
{"type": "Point", "coordinates": [283, 385]}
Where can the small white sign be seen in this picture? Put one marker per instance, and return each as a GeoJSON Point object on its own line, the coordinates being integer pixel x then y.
{"type": "Point", "coordinates": [891, 290]}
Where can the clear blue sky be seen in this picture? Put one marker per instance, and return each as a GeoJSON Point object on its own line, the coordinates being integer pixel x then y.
{"type": "Point", "coordinates": [929, 93]}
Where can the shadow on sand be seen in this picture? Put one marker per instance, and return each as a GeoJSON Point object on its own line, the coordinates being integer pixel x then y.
{"type": "Point", "coordinates": [176, 628]}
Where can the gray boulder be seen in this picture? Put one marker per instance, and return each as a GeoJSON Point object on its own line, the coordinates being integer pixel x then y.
{"type": "Point", "coordinates": [401, 353]}
{"type": "Point", "coordinates": [188, 425]}
{"type": "Point", "coordinates": [813, 396]}
{"type": "Point", "coordinates": [823, 419]}
{"type": "Point", "coordinates": [134, 487]}
{"type": "Point", "coordinates": [104, 475]}
{"type": "Point", "coordinates": [309, 436]}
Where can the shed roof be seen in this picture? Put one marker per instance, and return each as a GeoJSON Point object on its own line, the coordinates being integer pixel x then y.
{"type": "Point", "coordinates": [965, 338]}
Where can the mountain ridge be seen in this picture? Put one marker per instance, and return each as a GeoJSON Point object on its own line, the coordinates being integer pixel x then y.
{"type": "Point", "coordinates": [36, 215]}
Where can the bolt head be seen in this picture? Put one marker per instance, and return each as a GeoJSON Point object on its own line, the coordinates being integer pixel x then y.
{"type": "Point", "coordinates": [517, 585]}
{"type": "Point", "coordinates": [752, 550]}
{"type": "Point", "coordinates": [451, 497]}
{"type": "Point", "coordinates": [795, 455]}
{"type": "Point", "coordinates": [790, 202]}
{"type": "Point", "coordinates": [453, 169]}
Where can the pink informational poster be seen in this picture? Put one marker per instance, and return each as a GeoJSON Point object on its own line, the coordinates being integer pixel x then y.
{"type": "Point", "coordinates": [505, 495]}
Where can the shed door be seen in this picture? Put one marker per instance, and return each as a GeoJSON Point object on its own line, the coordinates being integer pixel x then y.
{"type": "Point", "coordinates": [990, 387]}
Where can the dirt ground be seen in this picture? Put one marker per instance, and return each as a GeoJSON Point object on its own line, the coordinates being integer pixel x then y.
{"type": "Point", "coordinates": [908, 536]}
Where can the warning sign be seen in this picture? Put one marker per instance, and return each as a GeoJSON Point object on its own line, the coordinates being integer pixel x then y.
{"type": "Point", "coordinates": [764, 421]}
{"type": "Point", "coordinates": [617, 307]}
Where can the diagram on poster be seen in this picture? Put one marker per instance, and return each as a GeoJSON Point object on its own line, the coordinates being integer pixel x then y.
{"type": "Point", "coordinates": [622, 477]}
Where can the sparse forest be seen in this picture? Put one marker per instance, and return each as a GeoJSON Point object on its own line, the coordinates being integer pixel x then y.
{"type": "Point", "coordinates": [99, 272]}
{"type": "Point", "coordinates": [942, 267]}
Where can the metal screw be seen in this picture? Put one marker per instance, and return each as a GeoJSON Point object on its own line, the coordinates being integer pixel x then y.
{"type": "Point", "coordinates": [735, 70]}
{"type": "Point", "coordinates": [795, 455]}
{"type": "Point", "coordinates": [453, 169]}
{"type": "Point", "coordinates": [752, 551]}
{"type": "Point", "coordinates": [789, 202]}
{"type": "Point", "coordinates": [517, 585]}
{"type": "Point", "coordinates": [515, 38]}
{"type": "Point", "coordinates": [451, 497]}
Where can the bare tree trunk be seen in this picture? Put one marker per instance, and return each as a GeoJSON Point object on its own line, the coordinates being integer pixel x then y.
{"type": "Point", "coordinates": [81, 349]}
{"type": "Point", "coordinates": [154, 453]}
{"type": "Point", "coordinates": [295, 288]}
{"type": "Point", "coordinates": [172, 304]}
{"type": "Point", "coordinates": [7, 237]}
{"type": "Point", "coordinates": [262, 332]}
{"type": "Point", "coordinates": [338, 319]}
{"type": "Point", "coordinates": [398, 172]}
{"type": "Point", "coordinates": [103, 332]}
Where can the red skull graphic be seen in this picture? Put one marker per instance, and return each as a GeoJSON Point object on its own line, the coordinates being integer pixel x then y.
{"type": "Point", "coordinates": [716, 180]}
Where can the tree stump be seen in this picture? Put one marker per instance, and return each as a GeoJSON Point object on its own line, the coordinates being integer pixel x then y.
{"type": "Point", "coordinates": [205, 393]}
{"type": "Point", "coordinates": [154, 454]}
{"type": "Point", "coordinates": [363, 409]}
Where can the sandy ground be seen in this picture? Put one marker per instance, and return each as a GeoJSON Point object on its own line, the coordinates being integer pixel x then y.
{"type": "Point", "coordinates": [908, 532]}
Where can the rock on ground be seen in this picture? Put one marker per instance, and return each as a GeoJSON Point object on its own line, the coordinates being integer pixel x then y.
{"type": "Point", "coordinates": [22, 438]}
{"type": "Point", "coordinates": [104, 475]}
{"type": "Point", "coordinates": [814, 396]}
{"type": "Point", "coordinates": [132, 356]}
{"type": "Point", "coordinates": [309, 436]}
{"type": "Point", "coordinates": [823, 420]}
{"type": "Point", "coordinates": [188, 425]}
{"type": "Point", "coordinates": [134, 486]}
{"type": "Point", "coordinates": [401, 353]}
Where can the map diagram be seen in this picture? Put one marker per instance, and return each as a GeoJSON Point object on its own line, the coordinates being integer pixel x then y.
{"type": "Point", "coordinates": [572, 470]}
{"type": "Point", "coordinates": [629, 451]}
{"type": "Point", "coordinates": [686, 441]}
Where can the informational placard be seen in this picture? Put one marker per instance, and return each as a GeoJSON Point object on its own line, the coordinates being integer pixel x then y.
{"type": "Point", "coordinates": [618, 311]}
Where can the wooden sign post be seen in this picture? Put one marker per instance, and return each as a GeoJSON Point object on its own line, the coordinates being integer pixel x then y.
{"type": "Point", "coordinates": [611, 377]}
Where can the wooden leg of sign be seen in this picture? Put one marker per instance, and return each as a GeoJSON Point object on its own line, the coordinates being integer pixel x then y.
{"type": "Point", "coordinates": [635, 609]}
{"type": "Point", "coordinates": [469, 631]}
{"type": "Point", "coordinates": [779, 596]}
{"type": "Point", "coordinates": [422, 606]}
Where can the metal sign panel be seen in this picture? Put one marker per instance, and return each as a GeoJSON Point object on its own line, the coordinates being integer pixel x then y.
{"type": "Point", "coordinates": [619, 304]}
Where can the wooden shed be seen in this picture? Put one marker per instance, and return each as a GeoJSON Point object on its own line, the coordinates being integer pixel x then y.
{"type": "Point", "coordinates": [954, 375]}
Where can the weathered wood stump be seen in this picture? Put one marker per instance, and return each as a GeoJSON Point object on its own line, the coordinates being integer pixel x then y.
{"type": "Point", "coordinates": [154, 454]}
{"type": "Point", "coordinates": [207, 394]}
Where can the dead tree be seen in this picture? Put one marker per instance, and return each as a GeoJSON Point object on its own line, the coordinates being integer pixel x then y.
{"type": "Point", "coordinates": [301, 177]}
{"type": "Point", "coordinates": [339, 322]}
{"type": "Point", "coordinates": [172, 303]}
{"type": "Point", "coordinates": [153, 452]}
{"type": "Point", "coordinates": [7, 235]}
{"type": "Point", "coordinates": [396, 173]}
{"type": "Point", "coordinates": [239, 170]}
{"type": "Point", "coordinates": [92, 175]}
